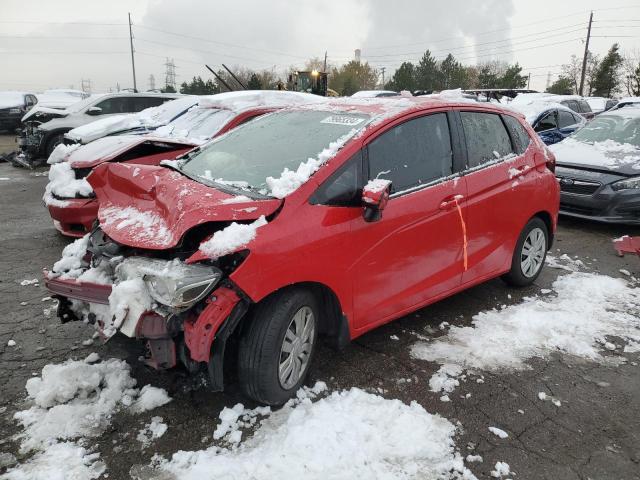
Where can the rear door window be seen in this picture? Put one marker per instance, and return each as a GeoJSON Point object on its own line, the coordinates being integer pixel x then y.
{"type": "Point", "coordinates": [584, 106]}
{"type": "Point", "coordinates": [140, 103]}
{"type": "Point", "coordinates": [565, 119]}
{"type": "Point", "coordinates": [115, 105]}
{"type": "Point", "coordinates": [414, 153]}
{"type": "Point", "coordinates": [487, 138]}
{"type": "Point", "coordinates": [548, 122]}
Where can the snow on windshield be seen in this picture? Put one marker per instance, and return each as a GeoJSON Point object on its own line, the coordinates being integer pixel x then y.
{"type": "Point", "coordinates": [198, 125]}
{"type": "Point", "coordinates": [278, 152]}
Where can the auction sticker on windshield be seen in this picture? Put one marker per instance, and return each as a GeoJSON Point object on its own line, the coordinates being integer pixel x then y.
{"type": "Point", "coordinates": [342, 120]}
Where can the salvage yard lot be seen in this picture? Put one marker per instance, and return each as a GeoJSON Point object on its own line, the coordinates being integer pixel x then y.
{"type": "Point", "coordinates": [593, 433]}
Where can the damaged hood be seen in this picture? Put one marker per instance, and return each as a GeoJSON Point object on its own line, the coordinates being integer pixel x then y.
{"type": "Point", "coordinates": [106, 149]}
{"type": "Point", "coordinates": [608, 156]}
{"type": "Point", "coordinates": [153, 207]}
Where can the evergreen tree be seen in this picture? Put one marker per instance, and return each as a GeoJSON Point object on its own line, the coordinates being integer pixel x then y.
{"type": "Point", "coordinates": [487, 77]}
{"type": "Point", "coordinates": [512, 78]}
{"type": "Point", "coordinates": [254, 82]}
{"type": "Point", "coordinates": [607, 77]}
{"type": "Point", "coordinates": [168, 89]}
{"type": "Point", "coordinates": [562, 86]}
{"type": "Point", "coordinates": [426, 72]}
{"type": "Point", "coordinates": [634, 82]}
{"type": "Point", "coordinates": [353, 76]}
{"type": "Point", "coordinates": [404, 78]}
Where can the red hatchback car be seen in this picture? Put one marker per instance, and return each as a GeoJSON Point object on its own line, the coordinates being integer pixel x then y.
{"type": "Point", "coordinates": [329, 219]}
{"type": "Point", "coordinates": [71, 203]}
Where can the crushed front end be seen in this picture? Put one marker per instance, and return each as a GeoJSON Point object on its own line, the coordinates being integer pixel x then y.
{"type": "Point", "coordinates": [179, 309]}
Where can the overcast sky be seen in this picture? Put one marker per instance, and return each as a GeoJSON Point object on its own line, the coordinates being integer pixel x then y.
{"type": "Point", "coordinates": [48, 44]}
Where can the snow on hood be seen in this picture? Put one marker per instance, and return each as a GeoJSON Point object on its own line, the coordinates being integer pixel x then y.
{"type": "Point", "coordinates": [45, 110]}
{"type": "Point", "coordinates": [607, 155]}
{"type": "Point", "coordinates": [153, 207]}
{"type": "Point", "coordinates": [12, 99]}
{"type": "Point", "coordinates": [102, 150]}
{"type": "Point", "coordinates": [149, 118]}
{"type": "Point", "coordinates": [60, 98]}
{"type": "Point", "coordinates": [63, 184]}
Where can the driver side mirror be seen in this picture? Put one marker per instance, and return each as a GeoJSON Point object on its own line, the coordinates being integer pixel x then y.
{"type": "Point", "coordinates": [94, 111]}
{"type": "Point", "coordinates": [375, 196]}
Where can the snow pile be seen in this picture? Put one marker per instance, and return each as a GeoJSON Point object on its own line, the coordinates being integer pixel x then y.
{"type": "Point", "coordinates": [232, 419]}
{"type": "Point", "coordinates": [237, 199]}
{"type": "Point", "coordinates": [63, 184]}
{"type": "Point", "coordinates": [588, 308]}
{"type": "Point", "coordinates": [500, 470]}
{"type": "Point", "coordinates": [73, 401]}
{"type": "Point", "coordinates": [61, 153]}
{"type": "Point", "coordinates": [498, 432]}
{"type": "Point", "coordinates": [128, 298]}
{"type": "Point", "coordinates": [150, 398]}
{"type": "Point", "coordinates": [62, 461]}
{"type": "Point", "coordinates": [142, 226]}
{"type": "Point", "coordinates": [151, 431]}
{"type": "Point", "coordinates": [289, 180]}
{"type": "Point", "coordinates": [232, 238]}
{"type": "Point", "coordinates": [376, 185]}
{"type": "Point", "coordinates": [349, 434]}
{"type": "Point", "coordinates": [71, 264]}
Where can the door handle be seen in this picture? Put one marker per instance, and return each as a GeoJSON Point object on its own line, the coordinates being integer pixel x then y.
{"type": "Point", "coordinates": [450, 202]}
{"type": "Point", "coordinates": [518, 171]}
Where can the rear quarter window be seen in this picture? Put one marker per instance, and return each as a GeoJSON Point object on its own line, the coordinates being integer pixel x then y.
{"type": "Point", "coordinates": [519, 134]}
{"type": "Point", "coordinates": [486, 136]}
{"type": "Point", "coordinates": [584, 106]}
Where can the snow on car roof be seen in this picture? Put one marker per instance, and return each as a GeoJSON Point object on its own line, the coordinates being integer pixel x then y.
{"type": "Point", "coordinates": [10, 99]}
{"type": "Point", "coordinates": [373, 93]}
{"type": "Point", "coordinates": [258, 98]}
{"type": "Point", "coordinates": [534, 107]}
{"type": "Point", "coordinates": [622, 112]}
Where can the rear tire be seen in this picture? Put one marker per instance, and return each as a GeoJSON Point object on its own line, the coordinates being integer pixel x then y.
{"type": "Point", "coordinates": [529, 254]}
{"type": "Point", "coordinates": [277, 349]}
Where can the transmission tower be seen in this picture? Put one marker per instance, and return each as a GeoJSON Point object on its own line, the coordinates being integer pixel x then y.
{"type": "Point", "coordinates": [152, 82]}
{"type": "Point", "coordinates": [170, 74]}
{"type": "Point", "coordinates": [86, 85]}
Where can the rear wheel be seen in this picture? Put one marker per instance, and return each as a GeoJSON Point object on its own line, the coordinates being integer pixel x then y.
{"type": "Point", "coordinates": [529, 254]}
{"type": "Point", "coordinates": [276, 351]}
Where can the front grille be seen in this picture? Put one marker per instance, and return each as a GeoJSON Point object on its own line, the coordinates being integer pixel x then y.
{"type": "Point", "coordinates": [578, 187]}
{"type": "Point", "coordinates": [81, 173]}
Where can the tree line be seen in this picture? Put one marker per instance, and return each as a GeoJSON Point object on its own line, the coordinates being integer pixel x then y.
{"type": "Point", "coordinates": [613, 74]}
{"type": "Point", "coordinates": [604, 77]}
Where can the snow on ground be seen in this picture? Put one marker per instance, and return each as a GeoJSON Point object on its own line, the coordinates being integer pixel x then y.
{"type": "Point", "coordinates": [348, 434]}
{"type": "Point", "coordinates": [70, 402]}
{"type": "Point", "coordinates": [63, 184]}
{"type": "Point", "coordinates": [587, 309]}
{"type": "Point", "coordinates": [152, 431]}
{"type": "Point", "coordinates": [231, 238]}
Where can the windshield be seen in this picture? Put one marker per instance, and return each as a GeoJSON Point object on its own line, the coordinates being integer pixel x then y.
{"type": "Point", "coordinates": [266, 147]}
{"type": "Point", "coordinates": [618, 128]}
{"type": "Point", "coordinates": [78, 106]}
{"type": "Point", "coordinates": [199, 124]}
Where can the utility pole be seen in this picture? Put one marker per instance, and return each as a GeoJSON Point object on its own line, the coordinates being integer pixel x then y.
{"type": "Point", "coordinates": [152, 82]}
{"type": "Point", "coordinates": [382, 69]}
{"type": "Point", "coordinates": [548, 80]}
{"type": "Point", "coordinates": [529, 82]}
{"type": "Point", "coordinates": [324, 68]}
{"type": "Point", "coordinates": [133, 63]}
{"type": "Point", "coordinates": [586, 53]}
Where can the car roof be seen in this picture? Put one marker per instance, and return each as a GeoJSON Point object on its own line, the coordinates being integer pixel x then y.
{"type": "Point", "coordinates": [538, 107]}
{"type": "Point", "coordinates": [252, 99]}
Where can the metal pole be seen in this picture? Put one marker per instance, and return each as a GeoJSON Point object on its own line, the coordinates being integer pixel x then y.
{"type": "Point", "coordinates": [529, 82]}
{"type": "Point", "coordinates": [133, 62]}
{"type": "Point", "coordinates": [219, 78]}
{"type": "Point", "coordinates": [234, 77]}
{"type": "Point", "coordinates": [586, 53]}
{"type": "Point", "coordinates": [324, 68]}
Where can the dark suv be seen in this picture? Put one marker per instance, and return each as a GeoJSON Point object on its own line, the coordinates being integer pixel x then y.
{"type": "Point", "coordinates": [13, 105]}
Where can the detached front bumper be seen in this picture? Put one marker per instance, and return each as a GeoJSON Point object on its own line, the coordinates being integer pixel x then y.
{"type": "Point", "coordinates": [76, 218]}
{"type": "Point", "coordinates": [200, 327]}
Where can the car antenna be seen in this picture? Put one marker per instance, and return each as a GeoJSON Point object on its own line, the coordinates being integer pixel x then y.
{"type": "Point", "coordinates": [234, 77]}
{"type": "Point", "coordinates": [219, 78]}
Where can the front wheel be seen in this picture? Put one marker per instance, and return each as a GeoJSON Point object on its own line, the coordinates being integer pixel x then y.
{"type": "Point", "coordinates": [52, 143]}
{"type": "Point", "coordinates": [529, 254]}
{"type": "Point", "coordinates": [277, 349]}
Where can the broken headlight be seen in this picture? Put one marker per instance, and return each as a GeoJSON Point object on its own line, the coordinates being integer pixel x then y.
{"type": "Point", "coordinates": [172, 283]}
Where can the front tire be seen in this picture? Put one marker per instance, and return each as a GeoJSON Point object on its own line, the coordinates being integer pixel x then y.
{"type": "Point", "coordinates": [529, 254]}
{"type": "Point", "coordinates": [52, 143]}
{"type": "Point", "coordinates": [277, 349]}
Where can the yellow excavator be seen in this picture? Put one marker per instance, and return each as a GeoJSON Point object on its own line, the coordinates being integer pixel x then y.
{"type": "Point", "coordinates": [310, 82]}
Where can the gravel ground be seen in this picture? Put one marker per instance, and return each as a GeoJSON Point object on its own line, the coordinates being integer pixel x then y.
{"type": "Point", "coordinates": [595, 435]}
